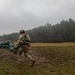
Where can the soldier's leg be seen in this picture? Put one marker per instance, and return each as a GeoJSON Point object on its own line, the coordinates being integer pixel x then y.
{"type": "Point", "coordinates": [20, 51]}
{"type": "Point", "coordinates": [19, 55]}
{"type": "Point", "coordinates": [26, 50]}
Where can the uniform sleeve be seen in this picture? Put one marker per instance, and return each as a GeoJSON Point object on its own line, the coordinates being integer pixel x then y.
{"type": "Point", "coordinates": [19, 41]}
{"type": "Point", "coordinates": [28, 37]}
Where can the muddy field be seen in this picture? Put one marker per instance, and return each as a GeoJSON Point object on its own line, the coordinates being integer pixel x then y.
{"type": "Point", "coordinates": [51, 59]}
{"type": "Point", "coordinates": [36, 54]}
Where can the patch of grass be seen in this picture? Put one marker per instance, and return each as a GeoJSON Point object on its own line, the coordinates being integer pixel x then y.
{"type": "Point", "coordinates": [9, 67]}
{"type": "Point", "coordinates": [53, 44]}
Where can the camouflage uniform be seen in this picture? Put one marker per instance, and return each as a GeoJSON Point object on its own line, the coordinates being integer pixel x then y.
{"type": "Point", "coordinates": [24, 47]}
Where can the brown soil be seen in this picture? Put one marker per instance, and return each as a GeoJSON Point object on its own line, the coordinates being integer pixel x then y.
{"type": "Point", "coordinates": [36, 54]}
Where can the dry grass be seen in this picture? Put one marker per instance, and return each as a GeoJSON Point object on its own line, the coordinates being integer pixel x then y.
{"type": "Point", "coordinates": [53, 44]}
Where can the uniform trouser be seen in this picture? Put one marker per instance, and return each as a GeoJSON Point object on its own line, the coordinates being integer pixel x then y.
{"type": "Point", "coordinates": [25, 49]}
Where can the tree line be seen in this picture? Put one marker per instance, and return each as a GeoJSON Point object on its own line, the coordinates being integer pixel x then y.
{"type": "Point", "coordinates": [60, 32]}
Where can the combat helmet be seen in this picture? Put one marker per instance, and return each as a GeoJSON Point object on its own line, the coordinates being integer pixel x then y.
{"type": "Point", "coordinates": [22, 31]}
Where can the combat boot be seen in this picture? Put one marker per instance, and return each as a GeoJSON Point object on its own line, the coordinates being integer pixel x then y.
{"type": "Point", "coordinates": [32, 64]}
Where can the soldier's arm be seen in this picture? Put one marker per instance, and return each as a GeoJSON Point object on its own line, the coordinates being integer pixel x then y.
{"type": "Point", "coordinates": [19, 41]}
{"type": "Point", "coordinates": [28, 37]}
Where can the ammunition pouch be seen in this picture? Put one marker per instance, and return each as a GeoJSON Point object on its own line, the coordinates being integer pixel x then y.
{"type": "Point", "coordinates": [26, 43]}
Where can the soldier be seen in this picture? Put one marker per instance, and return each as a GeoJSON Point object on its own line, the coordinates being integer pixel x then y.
{"type": "Point", "coordinates": [24, 43]}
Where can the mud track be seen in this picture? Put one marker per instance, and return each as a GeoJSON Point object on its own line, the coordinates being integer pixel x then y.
{"type": "Point", "coordinates": [41, 61]}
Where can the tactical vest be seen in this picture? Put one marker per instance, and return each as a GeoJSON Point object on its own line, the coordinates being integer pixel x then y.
{"type": "Point", "coordinates": [26, 40]}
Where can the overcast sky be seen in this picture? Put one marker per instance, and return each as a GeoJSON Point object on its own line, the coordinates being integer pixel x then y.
{"type": "Point", "coordinates": [28, 14]}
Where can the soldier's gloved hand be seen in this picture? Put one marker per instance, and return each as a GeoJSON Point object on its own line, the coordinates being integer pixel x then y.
{"type": "Point", "coordinates": [15, 50]}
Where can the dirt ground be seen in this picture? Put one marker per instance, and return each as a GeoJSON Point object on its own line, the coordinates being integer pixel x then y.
{"type": "Point", "coordinates": [36, 54]}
